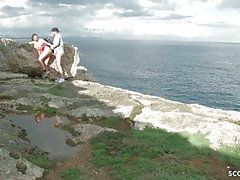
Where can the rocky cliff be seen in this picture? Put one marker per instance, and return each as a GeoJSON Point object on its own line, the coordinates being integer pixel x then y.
{"type": "Point", "coordinates": [86, 103]}
{"type": "Point", "coordinates": [22, 58]}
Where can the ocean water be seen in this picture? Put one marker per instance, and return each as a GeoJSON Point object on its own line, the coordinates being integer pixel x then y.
{"type": "Point", "coordinates": [189, 72]}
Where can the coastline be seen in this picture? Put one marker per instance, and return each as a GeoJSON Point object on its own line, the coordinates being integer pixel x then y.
{"type": "Point", "coordinates": [94, 109]}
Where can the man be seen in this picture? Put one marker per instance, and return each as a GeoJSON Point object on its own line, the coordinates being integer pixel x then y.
{"type": "Point", "coordinates": [57, 47]}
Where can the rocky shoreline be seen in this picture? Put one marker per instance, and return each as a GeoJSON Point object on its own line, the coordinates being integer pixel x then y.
{"type": "Point", "coordinates": [87, 103]}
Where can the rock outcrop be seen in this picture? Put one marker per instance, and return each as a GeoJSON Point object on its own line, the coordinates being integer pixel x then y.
{"type": "Point", "coordinates": [90, 101]}
{"type": "Point", "coordinates": [13, 163]}
{"type": "Point", "coordinates": [22, 58]}
{"type": "Point", "coordinates": [220, 127]}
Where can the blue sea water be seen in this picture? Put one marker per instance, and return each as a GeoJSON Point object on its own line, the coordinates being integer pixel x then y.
{"type": "Point", "coordinates": [189, 72]}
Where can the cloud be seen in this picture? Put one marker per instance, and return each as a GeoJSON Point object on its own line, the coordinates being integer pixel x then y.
{"type": "Point", "coordinates": [9, 11]}
{"type": "Point", "coordinates": [200, 0]}
{"type": "Point", "coordinates": [175, 17]}
{"type": "Point", "coordinates": [131, 4]}
{"type": "Point", "coordinates": [232, 4]}
{"type": "Point", "coordinates": [164, 5]}
{"type": "Point", "coordinates": [133, 14]}
{"type": "Point", "coordinates": [116, 18]}
{"type": "Point", "coordinates": [221, 25]}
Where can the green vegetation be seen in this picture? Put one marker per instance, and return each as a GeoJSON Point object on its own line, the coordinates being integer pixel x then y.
{"type": "Point", "coordinates": [45, 99]}
{"type": "Point", "coordinates": [21, 107]}
{"type": "Point", "coordinates": [39, 159]}
{"type": "Point", "coordinates": [114, 122]}
{"type": "Point", "coordinates": [231, 154]}
{"type": "Point", "coordinates": [72, 174]}
{"type": "Point", "coordinates": [64, 90]}
{"type": "Point", "coordinates": [197, 139]}
{"type": "Point", "coordinates": [47, 110]}
{"type": "Point", "coordinates": [155, 154]}
{"type": "Point", "coordinates": [111, 121]}
{"type": "Point", "coordinates": [57, 90]}
{"type": "Point", "coordinates": [42, 108]}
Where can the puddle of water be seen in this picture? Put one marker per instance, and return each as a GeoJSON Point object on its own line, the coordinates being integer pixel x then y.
{"type": "Point", "coordinates": [44, 132]}
{"type": "Point", "coordinates": [115, 123]}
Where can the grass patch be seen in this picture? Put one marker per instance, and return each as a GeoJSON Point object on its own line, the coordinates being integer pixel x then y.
{"type": "Point", "coordinates": [197, 139]}
{"type": "Point", "coordinates": [64, 90]}
{"type": "Point", "coordinates": [114, 122]}
{"type": "Point", "coordinates": [72, 174]}
{"type": "Point", "coordinates": [47, 110]}
{"type": "Point", "coordinates": [152, 154]}
{"type": "Point", "coordinates": [44, 106]}
{"type": "Point", "coordinates": [21, 107]}
{"type": "Point", "coordinates": [45, 99]}
{"type": "Point", "coordinates": [231, 154]}
{"type": "Point", "coordinates": [111, 121]}
{"type": "Point", "coordinates": [40, 160]}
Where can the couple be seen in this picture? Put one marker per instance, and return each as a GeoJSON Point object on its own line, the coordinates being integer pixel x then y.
{"type": "Point", "coordinates": [45, 50]}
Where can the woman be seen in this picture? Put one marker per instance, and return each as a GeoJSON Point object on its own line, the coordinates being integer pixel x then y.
{"type": "Point", "coordinates": [58, 51]}
{"type": "Point", "coordinates": [44, 52]}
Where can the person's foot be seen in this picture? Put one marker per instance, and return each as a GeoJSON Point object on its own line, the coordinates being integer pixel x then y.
{"type": "Point", "coordinates": [61, 80]}
{"type": "Point", "coordinates": [45, 74]}
{"type": "Point", "coordinates": [56, 80]}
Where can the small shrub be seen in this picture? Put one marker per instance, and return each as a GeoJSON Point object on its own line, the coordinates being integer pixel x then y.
{"type": "Point", "coordinates": [45, 99]}
{"type": "Point", "coordinates": [40, 160]}
{"type": "Point", "coordinates": [72, 174]}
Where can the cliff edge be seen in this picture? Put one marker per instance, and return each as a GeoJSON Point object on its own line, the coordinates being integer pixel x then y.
{"type": "Point", "coordinates": [22, 58]}
{"type": "Point", "coordinates": [89, 103]}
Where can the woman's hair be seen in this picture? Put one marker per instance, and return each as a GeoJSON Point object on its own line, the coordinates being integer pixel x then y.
{"type": "Point", "coordinates": [33, 36]}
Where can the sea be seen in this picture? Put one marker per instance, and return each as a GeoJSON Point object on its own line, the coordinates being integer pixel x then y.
{"type": "Point", "coordinates": [204, 73]}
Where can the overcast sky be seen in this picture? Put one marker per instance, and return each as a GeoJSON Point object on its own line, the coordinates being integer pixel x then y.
{"type": "Point", "coordinates": [207, 20]}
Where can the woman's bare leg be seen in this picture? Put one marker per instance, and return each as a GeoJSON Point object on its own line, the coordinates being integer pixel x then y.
{"type": "Point", "coordinates": [43, 56]}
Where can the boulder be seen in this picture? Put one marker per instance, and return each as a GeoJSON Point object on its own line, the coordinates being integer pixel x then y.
{"type": "Point", "coordinates": [22, 58]}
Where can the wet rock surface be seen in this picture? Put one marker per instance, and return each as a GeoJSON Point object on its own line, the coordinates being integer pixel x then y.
{"type": "Point", "coordinates": [88, 131]}
{"type": "Point", "coordinates": [21, 94]}
{"type": "Point", "coordinates": [88, 101]}
{"type": "Point", "coordinates": [86, 104]}
{"type": "Point", "coordinates": [13, 164]}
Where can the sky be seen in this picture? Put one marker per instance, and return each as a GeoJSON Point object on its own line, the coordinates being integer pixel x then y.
{"type": "Point", "coordinates": [198, 20]}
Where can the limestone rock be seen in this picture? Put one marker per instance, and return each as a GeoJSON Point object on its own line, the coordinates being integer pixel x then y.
{"type": "Point", "coordinates": [220, 127]}
{"type": "Point", "coordinates": [18, 169]}
{"type": "Point", "coordinates": [22, 58]}
{"type": "Point", "coordinates": [83, 74]}
{"type": "Point", "coordinates": [7, 76]}
{"type": "Point", "coordinates": [13, 165]}
{"type": "Point", "coordinates": [88, 131]}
